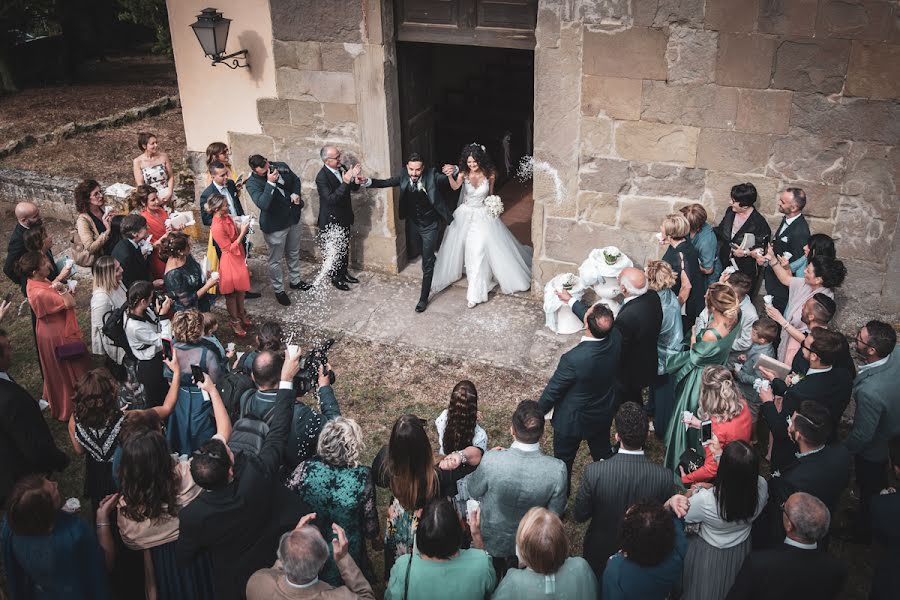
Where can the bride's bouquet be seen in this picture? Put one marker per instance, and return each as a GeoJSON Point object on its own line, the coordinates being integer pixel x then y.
{"type": "Point", "coordinates": [494, 206]}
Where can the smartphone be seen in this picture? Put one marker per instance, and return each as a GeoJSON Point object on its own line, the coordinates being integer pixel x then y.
{"type": "Point", "coordinates": [7, 298]}
{"type": "Point", "coordinates": [167, 349]}
{"type": "Point", "coordinates": [705, 431]}
{"type": "Point", "coordinates": [197, 374]}
{"type": "Point", "coordinates": [240, 179]}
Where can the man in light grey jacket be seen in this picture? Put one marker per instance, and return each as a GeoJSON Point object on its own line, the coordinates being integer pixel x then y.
{"type": "Point", "coordinates": [509, 483]}
{"type": "Point", "coordinates": [877, 417]}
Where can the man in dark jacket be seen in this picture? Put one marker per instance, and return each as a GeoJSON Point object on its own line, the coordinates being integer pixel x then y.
{"type": "Point", "coordinates": [334, 183]}
{"type": "Point", "coordinates": [639, 321]}
{"type": "Point", "coordinates": [135, 264]}
{"type": "Point", "coordinates": [582, 391]}
{"type": "Point", "coordinates": [244, 509]}
{"type": "Point", "coordinates": [26, 445]}
{"type": "Point", "coordinates": [791, 236]}
{"type": "Point", "coordinates": [275, 190]}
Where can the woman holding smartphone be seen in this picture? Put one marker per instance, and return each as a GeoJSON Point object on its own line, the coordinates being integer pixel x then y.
{"type": "Point", "coordinates": [145, 328]}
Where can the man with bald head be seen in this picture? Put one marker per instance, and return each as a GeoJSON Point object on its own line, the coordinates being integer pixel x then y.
{"type": "Point", "coordinates": [334, 183]}
{"type": "Point", "coordinates": [28, 215]}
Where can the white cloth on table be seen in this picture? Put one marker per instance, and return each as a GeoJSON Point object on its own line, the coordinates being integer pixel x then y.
{"type": "Point", "coordinates": [553, 305]}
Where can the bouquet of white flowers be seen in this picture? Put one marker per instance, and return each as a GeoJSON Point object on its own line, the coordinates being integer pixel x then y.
{"type": "Point", "coordinates": [494, 205]}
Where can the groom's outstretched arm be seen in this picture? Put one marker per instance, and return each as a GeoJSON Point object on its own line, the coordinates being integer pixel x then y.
{"type": "Point", "coordinates": [384, 183]}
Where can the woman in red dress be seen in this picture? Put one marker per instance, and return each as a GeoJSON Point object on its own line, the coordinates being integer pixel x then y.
{"type": "Point", "coordinates": [146, 201]}
{"type": "Point", "coordinates": [57, 334]}
{"type": "Point", "coordinates": [234, 277]}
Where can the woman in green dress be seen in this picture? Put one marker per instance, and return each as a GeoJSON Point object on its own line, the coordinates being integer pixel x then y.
{"type": "Point", "coordinates": [709, 346]}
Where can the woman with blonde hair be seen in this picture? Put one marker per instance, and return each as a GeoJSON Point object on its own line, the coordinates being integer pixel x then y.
{"type": "Point", "coordinates": [682, 257]}
{"type": "Point", "coordinates": [661, 279]}
{"type": "Point", "coordinates": [108, 295]}
{"type": "Point", "coordinates": [703, 238]}
{"type": "Point", "coordinates": [549, 572]}
{"type": "Point", "coordinates": [722, 404]}
{"type": "Point", "coordinates": [709, 346]}
{"type": "Point", "coordinates": [340, 490]}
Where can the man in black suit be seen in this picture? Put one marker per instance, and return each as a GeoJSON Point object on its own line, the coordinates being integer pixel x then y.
{"type": "Point", "coordinates": [334, 183]}
{"type": "Point", "coordinates": [824, 384]}
{"type": "Point", "coordinates": [275, 190]}
{"type": "Point", "coordinates": [582, 391]}
{"type": "Point", "coordinates": [798, 568]}
{"type": "Point", "coordinates": [422, 205]}
{"type": "Point", "coordinates": [885, 524]}
{"type": "Point", "coordinates": [26, 445]}
{"type": "Point", "coordinates": [135, 264]}
{"type": "Point", "coordinates": [743, 198]}
{"type": "Point", "coordinates": [791, 236]}
{"type": "Point", "coordinates": [609, 487]}
{"type": "Point", "coordinates": [244, 509]}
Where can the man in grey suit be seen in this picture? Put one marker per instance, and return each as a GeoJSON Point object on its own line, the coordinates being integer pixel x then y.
{"type": "Point", "coordinates": [877, 417]}
{"type": "Point", "coordinates": [509, 483]}
{"type": "Point", "coordinates": [609, 487]}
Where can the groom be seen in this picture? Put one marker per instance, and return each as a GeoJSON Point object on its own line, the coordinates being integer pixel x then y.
{"type": "Point", "coordinates": [421, 203]}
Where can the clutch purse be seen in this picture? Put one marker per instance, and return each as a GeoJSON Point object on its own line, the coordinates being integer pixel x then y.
{"type": "Point", "coordinates": [691, 460]}
{"type": "Point", "coordinates": [71, 350]}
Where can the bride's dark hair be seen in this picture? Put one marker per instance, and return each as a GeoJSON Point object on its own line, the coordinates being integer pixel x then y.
{"type": "Point", "coordinates": [480, 155]}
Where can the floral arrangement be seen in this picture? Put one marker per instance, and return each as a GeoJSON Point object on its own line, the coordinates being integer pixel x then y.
{"type": "Point", "coordinates": [494, 205]}
{"type": "Point", "coordinates": [611, 258]}
{"type": "Point", "coordinates": [569, 281]}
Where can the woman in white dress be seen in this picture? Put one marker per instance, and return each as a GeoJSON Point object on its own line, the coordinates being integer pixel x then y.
{"type": "Point", "coordinates": [478, 242]}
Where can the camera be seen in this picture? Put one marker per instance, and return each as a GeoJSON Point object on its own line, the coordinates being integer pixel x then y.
{"type": "Point", "coordinates": [308, 377]}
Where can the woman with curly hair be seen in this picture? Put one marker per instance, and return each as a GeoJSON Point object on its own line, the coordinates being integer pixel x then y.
{"type": "Point", "coordinates": [340, 490]}
{"type": "Point", "coordinates": [94, 235]}
{"type": "Point", "coordinates": [461, 439]}
{"type": "Point", "coordinates": [476, 240]}
{"type": "Point", "coordinates": [709, 346]}
{"type": "Point", "coordinates": [184, 277]}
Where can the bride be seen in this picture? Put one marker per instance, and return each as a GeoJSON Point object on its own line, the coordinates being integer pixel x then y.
{"type": "Point", "coordinates": [477, 241]}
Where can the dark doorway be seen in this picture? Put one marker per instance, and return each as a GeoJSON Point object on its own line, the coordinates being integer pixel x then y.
{"type": "Point", "coordinates": [454, 95]}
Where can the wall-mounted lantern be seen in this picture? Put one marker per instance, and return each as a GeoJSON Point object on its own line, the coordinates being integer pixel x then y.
{"type": "Point", "coordinates": [211, 29]}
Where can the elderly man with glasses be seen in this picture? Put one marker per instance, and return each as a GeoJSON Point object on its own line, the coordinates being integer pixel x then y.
{"type": "Point", "coordinates": [334, 183]}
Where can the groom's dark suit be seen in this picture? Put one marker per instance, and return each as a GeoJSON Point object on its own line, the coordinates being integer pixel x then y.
{"type": "Point", "coordinates": [422, 204]}
{"type": "Point", "coordinates": [582, 394]}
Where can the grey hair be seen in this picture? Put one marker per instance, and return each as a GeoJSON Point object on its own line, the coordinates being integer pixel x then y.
{"type": "Point", "coordinates": [634, 291]}
{"type": "Point", "coordinates": [302, 553]}
{"type": "Point", "coordinates": [324, 151]}
{"type": "Point", "coordinates": [340, 442]}
{"type": "Point", "coordinates": [809, 515]}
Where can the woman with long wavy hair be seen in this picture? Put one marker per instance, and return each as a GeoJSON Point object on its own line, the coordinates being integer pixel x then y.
{"type": "Point", "coordinates": [477, 240]}
{"type": "Point", "coordinates": [406, 466]}
{"type": "Point", "coordinates": [461, 440]}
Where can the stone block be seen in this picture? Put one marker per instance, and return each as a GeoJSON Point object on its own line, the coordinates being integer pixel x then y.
{"type": "Point", "coordinates": [808, 158]}
{"type": "Point", "coordinates": [874, 71]}
{"type": "Point", "coordinates": [658, 180]}
{"type": "Point", "coordinates": [691, 55]}
{"type": "Point", "coordinates": [309, 56]}
{"type": "Point", "coordinates": [764, 111]}
{"type": "Point", "coordinates": [681, 12]}
{"type": "Point", "coordinates": [608, 12]}
{"type": "Point", "coordinates": [597, 207]}
{"type": "Point", "coordinates": [890, 296]}
{"type": "Point", "coordinates": [319, 86]}
{"type": "Point", "coordinates": [848, 118]}
{"type": "Point", "coordinates": [339, 113]}
{"type": "Point", "coordinates": [546, 32]}
{"type": "Point", "coordinates": [636, 53]}
{"type": "Point", "coordinates": [717, 197]}
{"type": "Point", "coordinates": [855, 19]}
{"type": "Point", "coordinates": [273, 110]}
{"type": "Point", "coordinates": [788, 17]}
{"type": "Point", "coordinates": [861, 231]}
{"type": "Point", "coordinates": [656, 142]}
{"type": "Point", "coordinates": [733, 151]}
{"type": "Point", "coordinates": [643, 12]}
{"type": "Point", "coordinates": [245, 144]}
{"type": "Point", "coordinates": [571, 241]}
{"type": "Point", "coordinates": [304, 114]}
{"type": "Point", "coordinates": [596, 137]}
{"type": "Point", "coordinates": [545, 190]}
{"type": "Point", "coordinates": [817, 225]}
{"type": "Point", "coordinates": [543, 270]}
{"type": "Point", "coordinates": [604, 175]}
{"type": "Point", "coordinates": [335, 57]}
{"type": "Point", "coordinates": [316, 21]}
{"type": "Point", "coordinates": [858, 299]}
{"type": "Point", "coordinates": [616, 97]}
{"type": "Point", "coordinates": [745, 60]}
{"type": "Point", "coordinates": [873, 176]}
{"type": "Point", "coordinates": [284, 54]}
{"type": "Point", "coordinates": [812, 65]}
{"type": "Point", "coordinates": [821, 200]}
{"type": "Point", "coordinates": [697, 105]}
{"type": "Point", "coordinates": [643, 214]}
{"type": "Point", "coordinates": [731, 15]}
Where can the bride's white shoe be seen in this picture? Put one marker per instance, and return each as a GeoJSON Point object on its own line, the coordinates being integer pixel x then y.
{"type": "Point", "coordinates": [471, 305]}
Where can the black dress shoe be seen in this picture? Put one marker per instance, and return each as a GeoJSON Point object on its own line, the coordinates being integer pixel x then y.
{"type": "Point", "coordinates": [251, 295]}
{"type": "Point", "coordinates": [283, 299]}
{"type": "Point", "coordinates": [421, 306]}
{"type": "Point", "coordinates": [303, 286]}
{"type": "Point", "coordinates": [350, 278]}
{"type": "Point", "coordinates": [340, 285]}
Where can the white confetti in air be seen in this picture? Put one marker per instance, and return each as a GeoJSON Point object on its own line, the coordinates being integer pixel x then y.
{"type": "Point", "coordinates": [333, 242]}
{"type": "Point", "coordinates": [528, 165]}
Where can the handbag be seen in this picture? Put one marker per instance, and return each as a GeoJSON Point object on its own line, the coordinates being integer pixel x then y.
{"type": "Point", "coordinates": [71, 350]}
{"type": "Point", "coordinates": [691, 460]}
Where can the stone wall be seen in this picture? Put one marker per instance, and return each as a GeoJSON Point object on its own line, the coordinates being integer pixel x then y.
{"type": "Point", "coordinates": [647, 105]}
{"type": "Point", "coordinates": [335, 84]}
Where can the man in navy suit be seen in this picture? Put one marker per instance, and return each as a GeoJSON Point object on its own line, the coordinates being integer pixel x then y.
{"type": "Point", "coordinates": [334, 184]}
{"type": "Point", "coordinates": [791, 236]}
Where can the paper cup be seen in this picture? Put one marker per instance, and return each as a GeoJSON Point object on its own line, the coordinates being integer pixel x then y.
{"type": "Point", "coordinates": [230, 347]}
{"type": "Point", "coordinates": [659, 237]}
{"type": "Point", "coordinates": [72, 285]}
{"type": "Point", "coordinates": [72, 505]}
{"type": "Point", "coordinates": [292, 349]}
{"type": "Point", "coordinates": [214, 275]}
{"type": "Point", "coordinates": [787, 255]}
{"type": "Point", "coordinates": [767, 299]}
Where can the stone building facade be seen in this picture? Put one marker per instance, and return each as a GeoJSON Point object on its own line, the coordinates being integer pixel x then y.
{"type": "Point", "coordinates": [640, 106]}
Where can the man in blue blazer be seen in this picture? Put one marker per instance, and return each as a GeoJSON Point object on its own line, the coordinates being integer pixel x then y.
{"type": "Point", "coordinates": [275, 189]}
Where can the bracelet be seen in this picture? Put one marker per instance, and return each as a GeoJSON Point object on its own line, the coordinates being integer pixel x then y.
{"type": "Point", "coordinates": [99, 525]}
{"type": "Point", "coordinates": [463, 459]}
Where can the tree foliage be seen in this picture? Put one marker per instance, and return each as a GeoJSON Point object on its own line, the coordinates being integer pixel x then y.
{"type": "Point", "coordinates": [152, 14]}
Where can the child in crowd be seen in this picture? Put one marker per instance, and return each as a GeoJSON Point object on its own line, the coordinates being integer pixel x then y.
{"type": "Point", "coordinates": [765, 330]}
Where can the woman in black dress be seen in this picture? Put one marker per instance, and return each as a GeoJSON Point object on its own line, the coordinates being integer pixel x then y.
{"type": "Point", "coordinates": [740, 219]}
{"type": "Point", "coordinates": [184, 278]}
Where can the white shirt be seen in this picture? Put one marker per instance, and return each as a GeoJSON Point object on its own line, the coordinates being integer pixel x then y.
{"type": "Point", "coordinates": [814, 371]}
{"type": "Point", "coordinates": [715, 530]}
{"type": "Point", "coordinates": [224, 191]}
{"type": "Point", "coordinates": [802, 454]}
{"type": "Point", "coordinates": [628, 299]}
{"type": "Point", "coordinates": [5, 375]}
{"type": "Point", "coordinates": [787, 223]}
{"type": "Point", "coordinates": [877, 363]}
{"type": "Point", "coordinates": [626, 451]}
{"type": "Point", "coordinates": [800, 545]}
{"type": "Point", "coordinates": [536, 447]}
{"type": "Point", "coordinates": [586, 338]}
{"type": "Point", "coordinates": [336, 173]}
{"type": "Point", "coordinates": [300, 586]}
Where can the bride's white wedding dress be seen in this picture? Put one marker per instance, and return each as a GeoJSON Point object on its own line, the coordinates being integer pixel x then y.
{"type": "Point", "coordinates": [482, 246]}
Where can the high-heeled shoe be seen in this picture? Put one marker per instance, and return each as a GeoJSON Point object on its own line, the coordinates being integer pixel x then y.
{"type": "Point", "coordinates": [246, 321]}
{"type": "Point", "coordinates": [238, 328]}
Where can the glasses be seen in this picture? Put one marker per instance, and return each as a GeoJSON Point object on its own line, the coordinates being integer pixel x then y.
{"type": "Point", "coordinates": [336, 157]}
{"type": "Point", "coordinates": [859, 340]}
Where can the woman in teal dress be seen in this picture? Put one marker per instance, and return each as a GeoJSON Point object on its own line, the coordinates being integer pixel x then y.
{"type": "Point", "coordinates": [709, 346]}
{"type": "Point", "coordinates": [340, 490]}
